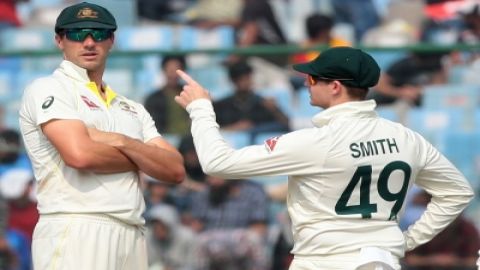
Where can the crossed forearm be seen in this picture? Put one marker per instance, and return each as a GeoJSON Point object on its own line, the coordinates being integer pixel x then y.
{"type": "Point", "coordinates": [158, 162]}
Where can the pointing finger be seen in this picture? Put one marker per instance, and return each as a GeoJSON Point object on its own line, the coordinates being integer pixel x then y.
{"type": "Point", "coordinates": [186, 77]}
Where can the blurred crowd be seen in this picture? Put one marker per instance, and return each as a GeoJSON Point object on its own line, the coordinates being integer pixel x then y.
{"type": "Point", "coordinates": [213, 223]}
{"type": "Point", "coordinates": [375, 23]}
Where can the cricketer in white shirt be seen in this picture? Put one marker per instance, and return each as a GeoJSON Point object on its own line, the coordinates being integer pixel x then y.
{"type": "Point", "coordinates": [347, 176]}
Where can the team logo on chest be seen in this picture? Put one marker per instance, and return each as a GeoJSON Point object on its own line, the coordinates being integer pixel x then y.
{"type": "Point", "coordinates": [124, 106]}
{"type": "Point", "coordinates": [90, 103]}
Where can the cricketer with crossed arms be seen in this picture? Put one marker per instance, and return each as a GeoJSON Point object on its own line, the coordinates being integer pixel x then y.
{"type": "Point", "coordinates": [347, 176]}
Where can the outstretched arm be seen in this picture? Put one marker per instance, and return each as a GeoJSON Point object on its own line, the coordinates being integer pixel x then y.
{"type": "Point", "coordinates": [216, 155]}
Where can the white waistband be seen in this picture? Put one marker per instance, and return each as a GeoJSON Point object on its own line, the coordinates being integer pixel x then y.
{"type": "Point", "coordinates": [94, 217]}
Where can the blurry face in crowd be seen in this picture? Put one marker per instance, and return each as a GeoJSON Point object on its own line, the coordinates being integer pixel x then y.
{"type": "Point", "coordinates": [156, 192]}
{"type": "Point", "coordinates": [9, 147]}
{"type": "Point", "coordinates": [160, 231]}
{"type": "Point", "coordinates": [244, 83]}
{"type": "Point", "coordinates": [88, 54]}
{"type": "Point", "coordinates": [170, 71]}
{"type": "Point", "coordinates": [219, 190]}
{"type": "Point", "coordinates": [473, 22]}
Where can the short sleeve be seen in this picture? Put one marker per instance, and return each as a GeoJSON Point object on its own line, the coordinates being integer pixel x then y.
{"type": "Point", "coordinates": [46, 99]}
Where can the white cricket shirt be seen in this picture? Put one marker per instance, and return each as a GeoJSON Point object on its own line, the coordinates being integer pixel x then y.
{"type": "Point", "coordinates": [69, 94]}
{"type": "Point", "coordinates": [348, 177]}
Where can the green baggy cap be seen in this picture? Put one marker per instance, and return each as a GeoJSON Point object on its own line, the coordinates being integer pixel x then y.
{"type": "Point", "coordinates": [353, 67]}
{"type": "Point", "coordinates": [85, 15]}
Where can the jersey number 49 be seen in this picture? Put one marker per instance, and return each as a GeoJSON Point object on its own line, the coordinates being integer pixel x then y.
{"type": "Point", "coordinates": [363, 174]}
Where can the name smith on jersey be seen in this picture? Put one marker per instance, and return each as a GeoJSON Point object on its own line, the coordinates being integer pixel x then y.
{"type": "Point", "coordinates": [374, 147]}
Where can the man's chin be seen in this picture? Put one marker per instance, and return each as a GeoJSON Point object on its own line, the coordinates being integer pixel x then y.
{"type": "Point", "coordinates": [90, 65]}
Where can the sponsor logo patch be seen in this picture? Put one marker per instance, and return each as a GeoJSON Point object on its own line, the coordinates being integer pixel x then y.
{"type": "Point", "coordinates": [271, 143]}
{"type": "Point", "coordinates": [126, 107]}
{"type": "Point", "coordinates": [90, 103]}
{"type": "Point", "coordinates": [48, 102]}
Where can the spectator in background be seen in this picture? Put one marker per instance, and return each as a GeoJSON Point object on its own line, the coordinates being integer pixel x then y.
{"type": "Point", "coordinates": [283, 240]}
{"type": "Point", "coordinates": [16, 186]}
{"type": "Point", "coordinates": [452, 21]}
{"type": "Point", "coordinates": [169, 118]}
{"type": "Point", "coordinates": [9, 260]}
{"type": "Point", "coordinates": [11, 155]}
{"type": "Point", "coordinates": [157, 192]}
{"type": "Point", "coordinates": [231, 217]}
{"type": "Point", "coordinates": [283, 243]}
{"type": "Point", "coordinates": [319, 32]}
{"type": "Point", "coordinates": [406, 78]}
{"type": "Point", "coordinates": [471, 17]}
{"type": "Point", "coordinates": [230, 204]}
{"type": "Point", "coordinates": [194, 181]}
{"type": "Point", "coordinates": [362, 15]}
{"type": "Point", "coordinates": [259, 26]}
{"type": "Point", "coordinates": [192, 164]}
{"type": "Point", "coordinates": [455, 248]}
{"type": "Point", "coordinates": [8, 13]}
{"type": "Point", "coordinates": [170, 245]}
{"type": "Point", "coordinates": [245, 110]}
{"type": "Point", "coordinates": [213, 13]}
{"type": "Point", "coordinates": [179, 196]}
{"type": "Point", "coordinates": [162, 11]}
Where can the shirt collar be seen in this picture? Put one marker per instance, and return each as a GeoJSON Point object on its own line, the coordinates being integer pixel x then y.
{"type": "Point", "coordinates": [80, 74]}
{"type": "Point", "coordinates": [73, 71]}
{"type": "Point", "coordinates": [354, 108]}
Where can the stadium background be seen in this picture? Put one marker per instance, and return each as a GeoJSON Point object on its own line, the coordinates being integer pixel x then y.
{"type": "Point", "coordinates": [449, 116]}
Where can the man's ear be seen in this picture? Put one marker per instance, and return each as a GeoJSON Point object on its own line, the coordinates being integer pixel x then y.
{"type": "Point", "coordinates": [113, 41]}
{"type": "Point", "coordinates": [59, 41]}
{"type": "Point", "coordinates": [336, 87]}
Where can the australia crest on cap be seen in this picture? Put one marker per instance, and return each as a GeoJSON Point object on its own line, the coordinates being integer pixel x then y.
{"type": "Point", "coordinates": [87, 13]}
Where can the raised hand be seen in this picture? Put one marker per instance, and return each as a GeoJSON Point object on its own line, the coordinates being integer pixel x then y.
{"type": "Point", "coordinates": [191, 91]}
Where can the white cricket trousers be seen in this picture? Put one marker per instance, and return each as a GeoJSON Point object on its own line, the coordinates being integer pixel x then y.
{"type": "Point", "coordinates": [339, 263]}
{"type": "Point", "coordinates": [312, 264]}
{"type": "Point", "coordinates": [87, 242]}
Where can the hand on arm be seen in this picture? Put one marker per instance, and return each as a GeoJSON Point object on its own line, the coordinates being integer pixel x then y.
{"type": "Point", "coordinates": [451, 193]}
{"type": "Point", "coordinates": [72, 140]}
{"type": "Point", "coordinates": [157, 157]}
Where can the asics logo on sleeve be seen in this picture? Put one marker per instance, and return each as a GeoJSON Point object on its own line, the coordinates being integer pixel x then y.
{"type": "Point", "coordinates": [48, 102]}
